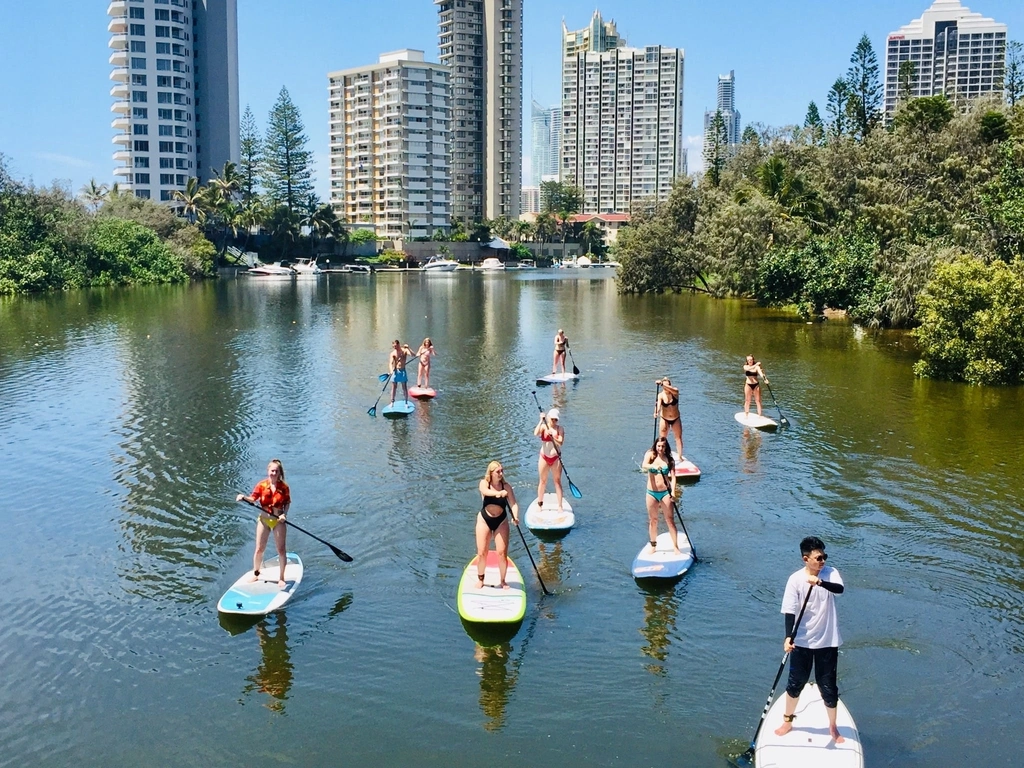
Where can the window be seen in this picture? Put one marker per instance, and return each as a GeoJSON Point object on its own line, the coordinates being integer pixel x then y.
{"type": "Point", "coordinates": [162, 31]}
{"type": "Point", "coordinates": [138, 79]}
{"type": "Point", "coordinates": [182, 164]}
{"type": "Point", "coordinates": [140, 113]}
{"type": "Point", "coordinates": [142, 162]}
{"type": "Point", "coordinates": [136, 13]}
{"type": "Point", "coordinates": [163, 97]}
{"type": "Point", "coordinates": [166, 146]}
{"type": "Point", "coordinates": [166, 178]}
{"type": "Point", "coordinates": [163, 65]}
{"type": "Point", "coordinates": [181, 179]}
{"type": "Point", "coordinates": [162, 15]}
{"type": "Point", "coordinates": [138, 62]}
{"type": "Point", "coordinates": [180, 132]}
{"type": "Point", "coordinates": [141, 146]}
{"type": "Point", "coordinates": [140, 129]}
{"type": "Point", "coordinates": [165, 130]}
{"type": "Point", "coordinates": [138, 46]}
{"type": "Point", "coordinates": [164, 48]}
{"type": "Point", "coordinates": [139, 96]}
{"type": "Point", "coordinates": [166, 162]}
{"type": "Point", "coordinates": [166, 194]}
{"type": "Point", "coordinates": [180, 148]}
{"type": "Point", "coordinates": [137, 30]}
{"type": "Point", "coordinates": [163, 81]}
{"type": "Point", "coordinates": [142, 194]}
{"type": "Point", "coordinates": [163, 114]}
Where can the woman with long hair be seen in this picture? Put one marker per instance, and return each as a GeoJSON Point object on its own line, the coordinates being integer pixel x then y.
{"type": "Point", "coordinates": [273, 498]}
{"type": "Point", "coordinates": [661, 487]}
{"type": "Point", "coordinates": [499, 501]}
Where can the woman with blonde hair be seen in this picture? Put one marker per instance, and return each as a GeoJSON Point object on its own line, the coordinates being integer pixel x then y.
{"type": "Point", "coordinates": [499, 501]}
{"type": "Point", "coordinates": [552, 436]}
{"type": "Point", "coordinates": [273, 498]}
{"type": "Point", "coordinates": [424, 353]}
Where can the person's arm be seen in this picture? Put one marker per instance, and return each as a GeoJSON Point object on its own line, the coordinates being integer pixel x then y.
{"type": "Point", "coordinates": [512, 503]}
{"type": "Point", "coordinates": [539, 429]}
{"type": "Point", "coordinates": [392, 362]}
{"type": "Point", "coordinates": [648, 458]}
{"type": "Point", "coordinates": [559, 436]}
{"type": "Point", "coordinates": [835, 581]}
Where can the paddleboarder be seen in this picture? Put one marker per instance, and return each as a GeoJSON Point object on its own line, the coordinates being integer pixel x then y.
{"type": "Point", "coordinates": [396, 365]}
{"type": "Point", "coordinates": [817, 638]}
{"type": "Point", "coordinates": [561, 345]}
{"type": "Point", "coordinates": [424, 353]}
{"type": "Point", "coordinates": [552, 436]}
{"type": "Point", "coordinates": [661, 487]}
{"type": "Point", "coordinates": [751, 370]}
{"type": "Point", "coordinates": [667, 407]}
{"type": "Point", "coordinates": [273, 497]}
{"type": "Point", "coordinates": [499, 501]}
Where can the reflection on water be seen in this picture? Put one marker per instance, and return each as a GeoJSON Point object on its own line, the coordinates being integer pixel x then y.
{"type": "Point", "coordinates": [660, 607]}
{"type": "Point", "coordinates": [550, 562]}
{"type": "Point", "coordinates": [273, 676]}
{"type": "Point", "coordinates": [496, 682]}
{"type": "Point", "coordinates": [750, 445]}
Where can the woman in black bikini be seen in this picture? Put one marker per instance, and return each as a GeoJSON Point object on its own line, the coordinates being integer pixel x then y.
{"type": "Point", "coordinates": [752, 369]}
{"type": "Point", "coordinates": [492, 522]}
{"type": "Point", "coordinates": [550, 462]}
{"type": "Point", "coordinates": [561, 344]}
{"type": "Point", "coordinates": [667, 406]}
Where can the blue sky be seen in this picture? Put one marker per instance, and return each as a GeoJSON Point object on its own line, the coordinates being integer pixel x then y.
{"type": "Point", "coordinates": [54, 76]}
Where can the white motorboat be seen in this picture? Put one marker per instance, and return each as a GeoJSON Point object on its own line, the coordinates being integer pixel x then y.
{"type": "Point", "coordinates": [439, 264]}
{"type": "Point", "coordinates": [271, 270]}
{"type": "Point", "coordinates": [491, 264]}
{"type": "Point", "coordinates": [307, 268]}
{"type": "Point", "coordinates": [583, 262]}
{"type": "Point", "coordinates": [527, 264]}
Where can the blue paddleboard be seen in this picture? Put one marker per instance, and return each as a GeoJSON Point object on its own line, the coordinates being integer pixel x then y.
{"type": "Point", "coordinates": [258, 598]}
{"type": "Point", "coordinates": [663, 563]}
{"type": "Point", "coordinates": [398, 408]}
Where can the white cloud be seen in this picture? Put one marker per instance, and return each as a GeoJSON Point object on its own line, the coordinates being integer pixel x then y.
{"type": "Point", "coordinates": [694, 153]}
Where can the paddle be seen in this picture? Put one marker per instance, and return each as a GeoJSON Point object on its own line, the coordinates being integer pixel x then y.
{"type": "Point", "coordinates": [748, 755]}
{"type": "Point", "coordinates": [782, 419]}
{"type": "Point", "coordinates": [657, 393]}
{"type": "Point", "coordinates": [679, 515]}
{"type": "Point", "coordinates": [576, 494]}
{"type": "Point", "coordinates": [341, 555]}
{"type": "Point", "coordinates": [532, 562]}
{"type": "Point", "coordinates": [575, 370]}
{"type": "Point", "coordinates": [373, 409]}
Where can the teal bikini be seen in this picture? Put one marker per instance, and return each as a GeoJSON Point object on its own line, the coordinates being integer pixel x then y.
{"type": "Point", "coordinates": [663, 471]}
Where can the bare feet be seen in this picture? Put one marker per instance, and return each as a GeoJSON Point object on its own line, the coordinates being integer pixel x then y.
{"type": "Point", "coordinates": [678, 551]}
{"type": "Point", "coordinates": [783, 729]}
{"type": "Point", "coordinates": [836, 735]}
{"type": "Point", "coordinates": [480, 583]}
{"type": "Point", "coordinates": [255, 576]}
{"type": "Point", "coordinates": [504, 585]}
{"type": "Point", "coordinates": [281, 584]}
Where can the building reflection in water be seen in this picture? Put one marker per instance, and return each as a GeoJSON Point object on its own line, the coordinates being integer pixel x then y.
{"type": "Point", "coordinates": [273, 676]}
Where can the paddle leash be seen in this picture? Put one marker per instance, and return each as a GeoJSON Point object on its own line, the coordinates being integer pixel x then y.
{"type": "Point", "coordinates": [576, 493]}
{"type": "Point", "coordinates": [373, 408]}
{"type": "Point", "coordinates": [532, 562]}
{"type": "Point", "coordinates": [747, 757]}
{"type": "Point", "coordinates": [686, 533]}
{"type": "Point", "coordinates": [341, 555]}
{"type": "Point", "coordinates": [782, 419]}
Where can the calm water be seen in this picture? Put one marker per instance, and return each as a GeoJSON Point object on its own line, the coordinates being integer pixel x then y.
{"type": "Point", "coordinates": [129, 419]}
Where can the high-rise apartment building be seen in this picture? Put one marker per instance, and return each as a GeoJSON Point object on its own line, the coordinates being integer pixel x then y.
{"type": "Point", "coordinates": [546, 135]}
{"type": "Point", "coordinates": [389, 131]}
{"type": "Point", "coordinates": [622, 118]}
{"type": "Point", "coordinates": [176, 92]}
{"type": "Point", "coordinates": [730, 116]}
{"type": "Point", "coordinates": [482, 42]}
{"type": "Point", "coordinates": [950, 51]}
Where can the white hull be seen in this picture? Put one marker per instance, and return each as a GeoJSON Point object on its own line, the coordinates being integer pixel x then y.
{"type": "Point", "coordinates": [809, 744]}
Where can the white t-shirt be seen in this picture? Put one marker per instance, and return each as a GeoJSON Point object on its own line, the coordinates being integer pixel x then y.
{"type": "Point", "coordinates": [819, 627]}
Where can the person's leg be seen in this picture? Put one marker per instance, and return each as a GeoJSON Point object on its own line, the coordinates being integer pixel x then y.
{"type": "Point", "coordinates": [666, 508]}
{"type": "Point", "coordinates": [394, 389]}
{"type": "Point", "coordinates": [542, 473]}
{"type": "Point", "coordinates": [826, 660]}
{"type": "Point", "coordinates": [677, 430]}
{"type": "Point", "coordinates": [262, 532]}
{"type": "Point", "coordinates": [501, 545]}
{"type": "Point", "coordinates": [483, 540]}
{"type": "Point", "coordinates": [280, 538]}
{"type": "Point", "coordinates": [554, 362]}
{"type": "Point", "coordinates": [556, 470]}
{"type": "Point", "coordinates": [426, 376]}
{"type": "Point", "coordinates": [652, 520]}
{"type": "Point", "coordinates": [757, 394]}
{"type": "Point", "coordinates": [419, 375]}
{"type": "Point", "coordinates": [800, 661]}
{"type": "Point", "coordinates": [662, 428]}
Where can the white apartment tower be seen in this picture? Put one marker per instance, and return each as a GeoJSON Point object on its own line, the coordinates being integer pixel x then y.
{"type": "Point", "coordinates": [730, 116]}
{"type": "Point", "coordinates": [389, 132]}
{"type": "Point", "coordinates": [175, 73]}
{"type": "Point", "coordinates": [482, 42]}
{"type": "Point", "coordinates": [622, 118]}
{"type": "Point", "coordinates": [546, 135]}
{"type": "Point", "coordinates": [953, 52]}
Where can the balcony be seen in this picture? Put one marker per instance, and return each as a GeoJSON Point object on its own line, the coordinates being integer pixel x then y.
{"type": "Point", "coordinates": [119, 42]}
{"type": "Point", "coordinates": [120, 123]}
{"type": "Point", "coordinates": [119, 58]}
{"type": "Point", "coordinates": [122, 156]}
{"type": "Point", "coordinates": [123, 170]}
{"type": "Point", "coordinates": [117, 8]}
{"type": "Point", "coordinates": [118, 24]}
{"type": "Point", "coordinates": [120, 74]}
{"type": "Point", "coordinates": [120, 91]}
{"type": "Point", "coordinates": [122, 138]}
{"type": "Point", "coordinates": [124, 106]}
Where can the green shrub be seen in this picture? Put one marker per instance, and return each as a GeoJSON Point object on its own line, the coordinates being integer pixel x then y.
{"type": "Point", "coordinates": [120, 252]}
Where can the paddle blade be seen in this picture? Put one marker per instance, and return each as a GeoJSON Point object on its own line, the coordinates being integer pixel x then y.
{"type": "Point", "coordinates": [746, 760]}
{"type": "Point", "coordinates": [341, 555]}
{"type": "Point", "coordinates": [575, 370]}
{"type": "Point", "coordinates": [384, 377]}
{"type": "Point", "coordinates": [373, 411]}
{"type": "Point", "coordinates": [574, 490]}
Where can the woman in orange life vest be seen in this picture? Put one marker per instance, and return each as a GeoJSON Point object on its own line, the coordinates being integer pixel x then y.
{"type": "Point", "coordinates": [274, 498]}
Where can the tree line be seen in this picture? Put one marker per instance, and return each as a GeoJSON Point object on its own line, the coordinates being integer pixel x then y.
{"type": "Point", "coordinates": [917, 222]}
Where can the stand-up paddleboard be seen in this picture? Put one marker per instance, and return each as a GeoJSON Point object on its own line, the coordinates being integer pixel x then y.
{"type": "Point", "coordinates": [422, 392]}
{"type": "Point", "coordinates": [491, 604]}
{"type": "Point", "coordinates": [686, 470]}
{"type": "Point", "coordinates": [398, 408]}
{"type": "Point", "coordinates": [755, 421]}
{"type": "Point", "coordinates": [548, 517]}
{"type": "Point", "coordinates": [809, 743]}
{"type": "Point", "coordinates": [557, 378]}
{"type": "Point", "coordinates": [258, 598]}
{"type": "Point", "coordinates": [663, 563]}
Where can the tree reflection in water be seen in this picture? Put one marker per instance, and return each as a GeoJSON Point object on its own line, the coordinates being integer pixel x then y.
{"type": "Point", "coordinates": [660, 608]}
{"type": "Point", "coordinates": [274, 674]}
{"type": "Point", "coordinates": [751, 445]}
{"type": "Point", "coordinates": [496, 681]}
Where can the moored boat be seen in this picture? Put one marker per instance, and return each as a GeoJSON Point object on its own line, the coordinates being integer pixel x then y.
{"type": "Point", "coordinates": [492, 264]}
{"type": "Point", "coordinates": [271, 270]}
{"type": "Point", "coordinates": [439, 264]}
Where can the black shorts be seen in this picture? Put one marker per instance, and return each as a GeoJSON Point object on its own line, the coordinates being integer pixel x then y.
{"type": "Point", "coordinates": [824, 661]}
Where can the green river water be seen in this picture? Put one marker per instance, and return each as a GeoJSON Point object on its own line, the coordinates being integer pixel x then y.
{"type": "Point", "coordinates": [129, 419]}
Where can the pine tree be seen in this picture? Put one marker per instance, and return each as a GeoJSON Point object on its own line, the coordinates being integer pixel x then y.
{"type": "Point", "coordinates": [837, 106]}
{"type": "Point", "coordinates": [813, 125]}
{"type": "Point", "coordinates": [1013, 79]}
{"type": "Point", "coordinates": [716, 147]}
{"type": "Point", "coordinates": [250, 150]}
{"type": "Point", "coordinates": [287, 171]}
{"type": "Point", "coordinates": [865, 88]}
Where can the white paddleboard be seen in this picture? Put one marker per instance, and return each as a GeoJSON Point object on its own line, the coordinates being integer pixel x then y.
{"type": "Point", "coordinates": [423, 392]}
{"type": "Point", "coordinates": [755, 421]}
{"type": "Point", "coordinates": [491, 604]}
{"type": "Point", "coordinates": [557, 378]}
{"type": "Point", "coordinates": [258, 598]}
{"type": "Point", "coordinates": [398, 408]}
{"type": "Point", "coordinates": [548, 517]}
{"type": "Point", "coordinates": [663, 563]}
{"type": "Point", "coordinates": [808, 745]}
{"type": "Point", "coordinates": [686, 470]}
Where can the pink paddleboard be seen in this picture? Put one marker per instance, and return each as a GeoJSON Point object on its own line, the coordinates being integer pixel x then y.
{"type": "Point", "coordinates": [422, 392]}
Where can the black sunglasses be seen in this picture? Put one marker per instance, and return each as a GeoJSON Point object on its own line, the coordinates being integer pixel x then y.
{"type": "Point", "coordinates": [819, 559]}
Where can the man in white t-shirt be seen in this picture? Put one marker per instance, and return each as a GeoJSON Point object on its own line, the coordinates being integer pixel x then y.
{"type": "Point", "coordinates": [812, 632]}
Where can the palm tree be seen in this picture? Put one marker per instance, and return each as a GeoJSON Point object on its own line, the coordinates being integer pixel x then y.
{"type": "Point", "coordinates": [591, 234]}
{"type": "Point", "coordinates": [323, 223]}
{"type": "Point", "coordinates": [193, 201]}
{"type": "Point", "coordinates": [93, 194]}
{"type": "Point", "coordinates": [227, 181]}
